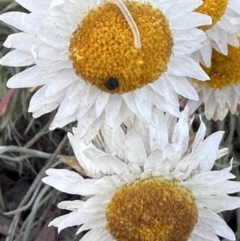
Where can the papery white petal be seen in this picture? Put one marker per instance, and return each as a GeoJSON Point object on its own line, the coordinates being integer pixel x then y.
{"type": "Point", "coordinates": [69, 182]}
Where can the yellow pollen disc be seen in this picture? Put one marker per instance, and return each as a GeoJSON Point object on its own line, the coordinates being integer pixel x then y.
{"type": "Point", "coordinates": [102, 47]}
{"type": "Point", "coordinates": [224, 71]}
{"type": "Point", "coordinates": [152, 210]}
{"type": "Point", "coordinates": [214, 8]}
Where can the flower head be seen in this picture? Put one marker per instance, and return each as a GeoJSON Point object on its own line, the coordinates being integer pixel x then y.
{"type": "Point", "coordinates": [222, 92]}
{"type": "Point", "coordinates": [225, 16]}
{"type": "Point", "coordinates": [99, 60]}
{"type": "Point", "coordinates": [149, 183]}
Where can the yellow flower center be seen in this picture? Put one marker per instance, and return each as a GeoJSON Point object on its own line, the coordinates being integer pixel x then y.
{"type": "Point", "coordinates": [102, 47]}
{"type": "Point", "coordinates": [224, 71]}
{"type": "Point", "coordinates": [152, 210]}
{"type": "Point", "coordinates": [214, 8]}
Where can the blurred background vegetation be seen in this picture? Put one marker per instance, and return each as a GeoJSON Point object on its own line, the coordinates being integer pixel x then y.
{"type": "Point", "coordinates": [27, 149]}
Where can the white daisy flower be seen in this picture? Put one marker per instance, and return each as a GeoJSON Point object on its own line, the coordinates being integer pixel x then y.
{"type": "Point", "coordinates": [222, 92]}
{"type": "Point", "coordinates": [157, 185]}
{"type": "Point", "coordinates": [225, 25]}
{"type": "Point", "coordinates": [97, 60]}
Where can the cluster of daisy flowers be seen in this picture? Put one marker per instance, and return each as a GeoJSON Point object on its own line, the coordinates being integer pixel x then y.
{"type": "Point", "coordinates": [122, 69]}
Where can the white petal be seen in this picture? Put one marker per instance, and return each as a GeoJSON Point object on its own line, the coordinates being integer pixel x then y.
{"type": "Point", "coordinates": [106, 163]}
{"type": "Point", "coordinates": [187, 6]}
{"type": "Point", "coordinates": [71, 205]}
{"type": "Point", "coordinates": [190, 20]}
{"type": "Point", "coordinates": [208, 150]}
{"type": "Point", "coordinates": [206, 53]}
{"type": "Point", "coordinates": [108, 184]}
{"type": "Point", "coordinates": [56, 38]}
{"type": "Point", "coordinates": [163, 105]}
{"type": "Point", "coordinates": [219, 37]}
{"type": "Point", "coordinates": [190, 35]}
{"type": "Point", "coordinates": [14, 19]}
{"type": "Point", "coordinates": [93, 130]}
{"type": "Point", "coordinates": [73, 219]}
{"type": "Point", "coordinates": [185, 66]}
{"type": "Point", "coordinates": [216, 223]}
{"type": "Point", "coordinates": [211, 177]}
{"type": "Point", "coordinates": [143, 102]}
{"type": "Point", "coordinates": [153, 160]}
{"type": "Point", "coordinates": [32, 21]}
{"type": "Point", "coordinates": [21, 41]}
{"type": "Point", "coordinates": [222, 188]}
{"type": "Point", "coordinates": [39, 100]}
{"type": "Point", "coordinates": [98, 234]}
{"type": "Point", "coordinates": [57, 221]}
{"type": "Point", "coordinates": [222, 152]}
{"type": "Point", "coordinates": [69, 182]}
{"type": "Point", "coordinates": [48, 106]}
{"type": "Point", "coordinates": [17, 58]}
{"type": "Point", "coordinates": [62, 80]}
{"type": "Point", "coordinates": [73, 107]}
{"type": "Point", "coordinates": [219, 203]}
{"type": "Point", "coordinates": [101, 102]}
{"type": "Point", "coordinates": [112, 109]}
{"type": "Point", "coordinates": [183, 47]}
{"type": "Point", "coordinates": [210, 106]}
{"type": "Point", "coordinates": [180, 136]}
{"type": "Point", "coordinates": [35, 5]}
{"type": "Point", "coordinates": [159, 131]}
{"type": "Point", "coordinates": [200, 134]}
{"type": "Point", "coordinates": [31, 77]}
{"type": "Point", "coordinates": [182, 86]}
{"type": "Point", "coordinates": [135, 152]}
{"type": "Point", "coordinates": [204, 231]}
{"type": "Point", "coordinates": [96, 203]}
{"type": "Point", "coordinates": [162, 88]}
{"type": "Point", "coordinates": [234, 4]}
{"type": "Point", "coordinates": [44, 52]}
{"type": "Point", "coordinates": [95, 220]}
{"type": "Point", "coordinates": [130, 102]}
{"type": "Point", "coordinates": [88, 121]}
{"type": "Point", "coordinates": [195, 237]}
{"type": "Point", "coordinates": [224, 24]}
{"type": "Point", "coordinates": [78, 147]}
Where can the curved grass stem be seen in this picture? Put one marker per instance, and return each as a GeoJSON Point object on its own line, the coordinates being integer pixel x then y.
{"type": "Point", "coordinates": [123, 8]}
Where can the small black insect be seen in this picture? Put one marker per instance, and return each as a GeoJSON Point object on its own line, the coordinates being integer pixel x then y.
{"type": "Point", "coordinates": [111, 83]}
